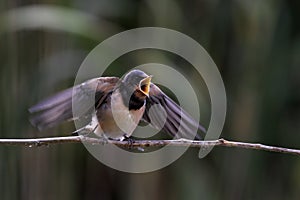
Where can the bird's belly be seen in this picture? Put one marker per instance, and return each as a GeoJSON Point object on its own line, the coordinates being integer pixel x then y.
{"type": "Point", "coordinates": [115, 120]}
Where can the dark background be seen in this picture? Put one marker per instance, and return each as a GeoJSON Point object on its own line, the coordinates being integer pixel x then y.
{"type": "Point", "coordinates": [256, 46]}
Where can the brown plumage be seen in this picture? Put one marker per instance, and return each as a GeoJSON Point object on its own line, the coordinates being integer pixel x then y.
{"type": "Point", "coordinates": [131, 99]}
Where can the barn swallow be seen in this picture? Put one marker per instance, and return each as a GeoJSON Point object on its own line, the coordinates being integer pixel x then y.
{"type": "Point", "coordinates": [120, 104]}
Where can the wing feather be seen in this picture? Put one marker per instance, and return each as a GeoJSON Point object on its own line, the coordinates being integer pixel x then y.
{"type": "Point", "coordinates": [177, 122]}
{"type": "Point", "coordinates": [58, 108]}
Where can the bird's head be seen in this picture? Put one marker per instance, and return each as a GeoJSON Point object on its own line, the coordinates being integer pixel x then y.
{"type": "Point", "coordinates": [135, 88]}
{"type": "Point", "coordinates": [138, 81]}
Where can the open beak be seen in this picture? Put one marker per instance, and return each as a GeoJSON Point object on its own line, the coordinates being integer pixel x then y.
{"type": "Point", "coordinates": [144, 85]}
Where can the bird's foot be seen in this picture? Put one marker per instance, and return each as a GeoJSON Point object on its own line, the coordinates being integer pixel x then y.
{"type": "Point", "coordinates": [103, 139]}
{"type": "Point", "coordinates": [129, 139]}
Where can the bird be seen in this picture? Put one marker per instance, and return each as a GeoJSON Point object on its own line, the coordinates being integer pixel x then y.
{"type": "Point", "coordinates": [120, 105]}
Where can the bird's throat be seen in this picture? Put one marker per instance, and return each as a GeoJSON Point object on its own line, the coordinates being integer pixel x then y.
{"type": "Point", "coordinates": [136, 102]}
{"type": "Point", "coordinates": [132, 99]}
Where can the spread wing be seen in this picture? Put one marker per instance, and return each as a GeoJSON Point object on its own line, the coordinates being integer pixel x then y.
{"type": "Point", "coordinates": [164, 114]}
{"type": "Point", "coordinates": [58, 108]}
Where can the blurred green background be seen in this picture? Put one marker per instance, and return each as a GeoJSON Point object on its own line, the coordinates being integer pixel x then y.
{"type": "Point", "coordinates": [256, 46]}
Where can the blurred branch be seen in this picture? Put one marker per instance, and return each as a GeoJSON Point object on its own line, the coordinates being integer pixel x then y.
{"type": "Point", "coordinates": [35, 142]}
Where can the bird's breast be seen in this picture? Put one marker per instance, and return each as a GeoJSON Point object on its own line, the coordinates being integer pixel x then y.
{"type": "Point", "coordinates": [115, 119]}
